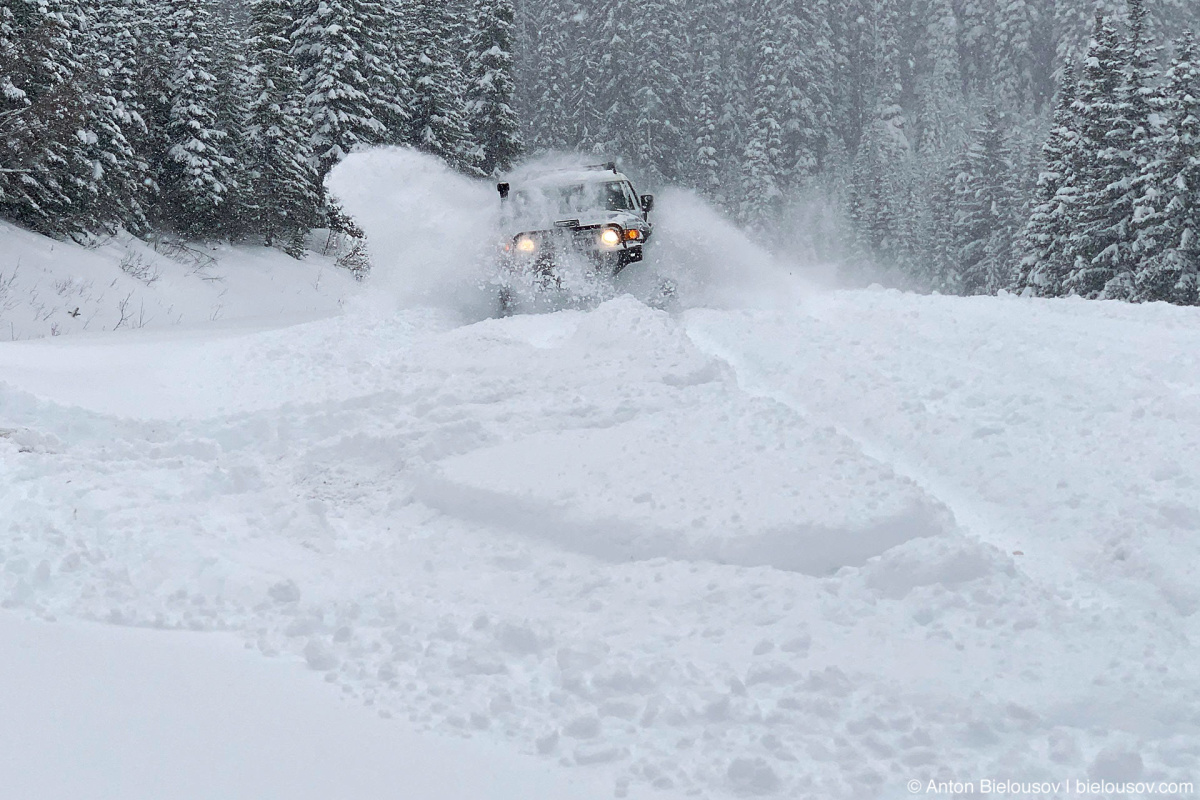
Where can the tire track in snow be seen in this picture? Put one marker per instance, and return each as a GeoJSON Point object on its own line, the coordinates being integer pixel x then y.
{"type": "Point", "coordinates": [754, 379]}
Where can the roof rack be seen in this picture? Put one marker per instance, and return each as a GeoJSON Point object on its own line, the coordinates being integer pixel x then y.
{"type": "Point", "coordinates": [607, 166]}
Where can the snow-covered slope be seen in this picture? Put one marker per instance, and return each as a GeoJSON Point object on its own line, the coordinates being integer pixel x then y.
{"type": "Point", "coordinates": [50, 288]}
{"type": "Point", "coordinates": [814, 553]}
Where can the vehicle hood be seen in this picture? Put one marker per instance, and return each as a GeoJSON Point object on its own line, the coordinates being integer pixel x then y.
{"type": "Point", "coordinates": [626, 219]}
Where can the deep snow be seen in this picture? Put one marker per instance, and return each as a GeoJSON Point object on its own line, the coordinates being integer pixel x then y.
{"type": "Point", "coordinates": [104, 712]}
{"type": "Point", "coordinates": [50, 288]}
{"type": "Point", "coordinates": [804, 544]}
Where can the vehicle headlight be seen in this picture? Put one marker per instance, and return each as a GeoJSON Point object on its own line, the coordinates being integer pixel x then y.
{"type": "Point", "coordinates": [610, 237]}
{"type": "Point", "coordinates": [526, 244]}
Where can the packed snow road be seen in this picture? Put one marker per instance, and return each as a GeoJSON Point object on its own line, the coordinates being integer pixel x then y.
{"type": "Point", "coordinates": [815, 552]}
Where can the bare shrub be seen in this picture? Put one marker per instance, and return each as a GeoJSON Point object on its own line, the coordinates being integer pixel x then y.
{"type": "Point", "coordinates": [124, 310]}
{"type": "Point", "coordinates": [184, 253]}
{"type": "Point", "coordinates": [357, 260]}
{"type": "Point", "coordinates": [139, 269]}
{"type": "Point", "coordinates": [8, 293]}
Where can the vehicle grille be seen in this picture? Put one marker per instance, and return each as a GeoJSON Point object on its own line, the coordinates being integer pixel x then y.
{"type": "Point", "coordinates": [569, 239]}
{"type": "Point", "coordinates": [586, 238]}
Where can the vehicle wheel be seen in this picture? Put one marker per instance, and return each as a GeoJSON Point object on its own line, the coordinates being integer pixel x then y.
{"type": "Point", "coordinates": [507, 301]}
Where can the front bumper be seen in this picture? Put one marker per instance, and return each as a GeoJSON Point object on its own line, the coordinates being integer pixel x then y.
{"type": "Point", "coordinates": [553, 249]}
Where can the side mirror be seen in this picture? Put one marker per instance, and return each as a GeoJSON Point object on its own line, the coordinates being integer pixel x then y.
{"type": "Point", "coordinates": [502, 188]}
{"type": "Point", "coordinates": [647, 202]}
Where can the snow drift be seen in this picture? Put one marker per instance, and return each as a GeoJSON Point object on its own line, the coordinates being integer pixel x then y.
{"type": "Point", "coordinates": [50, 288]}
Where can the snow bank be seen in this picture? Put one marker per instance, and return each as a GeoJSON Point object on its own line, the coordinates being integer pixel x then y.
{"type": "Point", "coordinates": [51, 288]}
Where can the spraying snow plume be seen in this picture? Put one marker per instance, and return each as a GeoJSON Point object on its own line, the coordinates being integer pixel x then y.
{"type": "Point", "coordinates": [433, 235]}
{"type": "Point", "coordinates": [712, 262]}
{"type": "Point", "coordinates": [429, 228]}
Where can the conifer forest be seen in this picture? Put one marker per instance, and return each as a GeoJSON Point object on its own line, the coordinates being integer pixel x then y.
{"type": "Point", "coordinates": [1044, 147]}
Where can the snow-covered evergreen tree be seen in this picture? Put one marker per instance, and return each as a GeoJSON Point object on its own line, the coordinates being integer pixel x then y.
{"type": "Point", "coordinates": [1127, 154]}
{"type": "Point", "coordinates": [760, 194]}
{"type": "Point", "coordinates": [542, 63]}
{"type": "Point", "coordinates": [43, 95]}
{"type": "Point", "coordinates": [1045, 264]}
{"type": "Point", "coordinates": [438, 115]}
{"type": "Point", "coordinates": [983, 219]}
{"type": "Point", "coordinates": [286, 198]}
{"type": "Point", "coordinates": [338, 56]}
{"type": "Point", "coordinates": [492, 119]}
{"type": "Point", "coordinates": [1098, 244]}
{"type": "Point", "coordinates": [129, 38]}
{"type": "Point", "coordinates": [587, 60]}
{"type": "Point", "coordinates": [805, 56]}
{"type": "Point", "coordinates": [234, 72]}
{"type": "Point", "coordinates": [1075, 22]}
{"type": "Point", "coordinates": [737, 78]}
{"type": "Point", "coordinates": [388, 26]}
{"type": "Point", "coordinates": [196, 176]}
{"type": "Point", "coordinates": [874, 204]}
{"type": "Point", "coordinates": [1014, 58]}
{"type": "Point", "coordinates": [1170, 232]}
{"type": "Point", "coordinates": [940, 270]}
{"type": "Point", "coordinates": [709, 147]}
{"type": "Point", "coordinates": [937, 108]}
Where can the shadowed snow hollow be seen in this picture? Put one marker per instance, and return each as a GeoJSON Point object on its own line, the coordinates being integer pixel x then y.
{"type": "Point", "coordinates": [634, 496]}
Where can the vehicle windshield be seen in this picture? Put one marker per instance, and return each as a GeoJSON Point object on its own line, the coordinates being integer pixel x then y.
{"type": "Point", "coordinates": [575, 198]}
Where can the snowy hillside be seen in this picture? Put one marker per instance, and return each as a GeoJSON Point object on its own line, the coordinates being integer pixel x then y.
{"type": "Point", "coordinates": [803, 548]}
{"type": "Point", "coordinates": [50, 288]}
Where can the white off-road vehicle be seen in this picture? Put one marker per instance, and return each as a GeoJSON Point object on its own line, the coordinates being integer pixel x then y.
{"type": "Point", "coordinates": [584, 224]}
